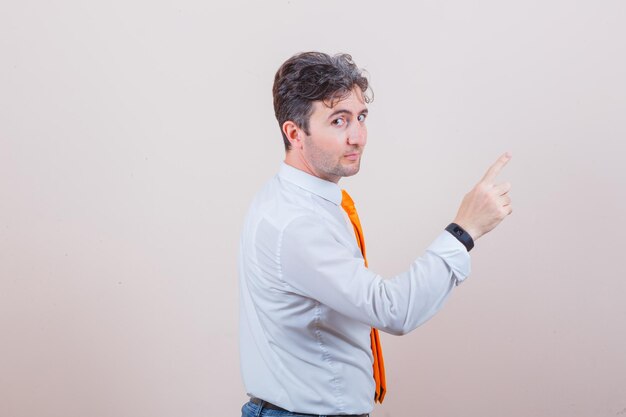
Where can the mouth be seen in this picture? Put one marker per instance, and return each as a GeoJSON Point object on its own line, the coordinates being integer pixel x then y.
{"type": "Point", "coordinates": [352, 156]}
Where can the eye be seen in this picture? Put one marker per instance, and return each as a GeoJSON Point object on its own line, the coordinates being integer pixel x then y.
{"type": "Point", "coordinates": [339, 122]}
{"type": "Point", "coordinates": [362, 117]}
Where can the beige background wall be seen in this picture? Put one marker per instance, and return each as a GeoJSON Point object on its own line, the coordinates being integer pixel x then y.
{"type": "Point", "coordinates": [134, 133]}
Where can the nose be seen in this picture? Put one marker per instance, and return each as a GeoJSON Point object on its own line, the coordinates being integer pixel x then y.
{"type": "Point", "coordinates": [357, 135]}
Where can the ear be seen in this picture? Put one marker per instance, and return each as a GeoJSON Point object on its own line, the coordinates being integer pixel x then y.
{"type": "Point", "coordinates": [294, 134]}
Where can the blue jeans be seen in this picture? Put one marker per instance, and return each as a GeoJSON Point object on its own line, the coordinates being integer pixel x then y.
{"type": "Point", "coordinates": [251, 409]}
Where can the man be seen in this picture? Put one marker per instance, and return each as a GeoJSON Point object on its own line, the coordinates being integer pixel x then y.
{"type": "Point", "coordinates": [310, 307]}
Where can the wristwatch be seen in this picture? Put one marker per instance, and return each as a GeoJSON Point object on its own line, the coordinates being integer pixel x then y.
{"type": "Point", "coordinates": [460, 233]}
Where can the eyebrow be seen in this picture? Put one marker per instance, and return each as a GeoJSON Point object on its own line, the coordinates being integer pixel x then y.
{"type": "Point", "coordinates": [345, 111]}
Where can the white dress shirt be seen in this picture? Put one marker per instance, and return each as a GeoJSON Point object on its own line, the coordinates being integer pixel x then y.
{"type": "Point", "coordinates": [307, 301]}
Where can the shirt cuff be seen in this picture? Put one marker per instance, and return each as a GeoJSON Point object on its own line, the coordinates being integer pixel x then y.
{"type": "Point", "coordinates": [453, 253]}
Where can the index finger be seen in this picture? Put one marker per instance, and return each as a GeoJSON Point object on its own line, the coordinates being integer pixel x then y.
{"type": "Point", "coordinates": [493, 170]}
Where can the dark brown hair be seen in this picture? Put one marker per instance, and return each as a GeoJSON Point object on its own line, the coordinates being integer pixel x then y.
{"type": "Point", "coordinates": [313, 76]}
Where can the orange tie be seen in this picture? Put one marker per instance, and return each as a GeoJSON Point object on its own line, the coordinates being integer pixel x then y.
{"type": "Point", "coordinates": [379, 363]}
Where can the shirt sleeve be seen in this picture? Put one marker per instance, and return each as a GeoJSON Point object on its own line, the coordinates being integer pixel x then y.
{"type": "Point", "coordinates": [315, 264]}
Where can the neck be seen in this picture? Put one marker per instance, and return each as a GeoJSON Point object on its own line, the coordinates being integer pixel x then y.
{"type": "Point", "coordinates": [296, 160]}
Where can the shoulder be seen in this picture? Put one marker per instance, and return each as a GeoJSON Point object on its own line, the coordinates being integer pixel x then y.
{"type": "Point", "coordinates": [280, 207]}
{"type": "Point", "coordinates": [280, 203]}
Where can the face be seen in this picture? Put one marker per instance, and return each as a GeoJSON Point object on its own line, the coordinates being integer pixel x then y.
{"type": "Point", "coordinates": [336, 139]}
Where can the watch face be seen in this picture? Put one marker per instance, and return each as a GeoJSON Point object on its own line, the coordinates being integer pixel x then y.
{"type": "Point", "coordinates": [458, 232]}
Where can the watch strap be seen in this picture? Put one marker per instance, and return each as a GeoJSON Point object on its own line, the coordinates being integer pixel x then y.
{"type": "Point", "coordinates": [460, 233]}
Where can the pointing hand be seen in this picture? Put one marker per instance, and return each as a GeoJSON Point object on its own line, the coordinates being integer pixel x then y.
{"type": "Point", "coordinates": [487, 204]}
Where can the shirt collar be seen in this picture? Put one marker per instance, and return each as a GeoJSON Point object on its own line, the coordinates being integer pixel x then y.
{"type": "Point", "coordinates": [325, 189]}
